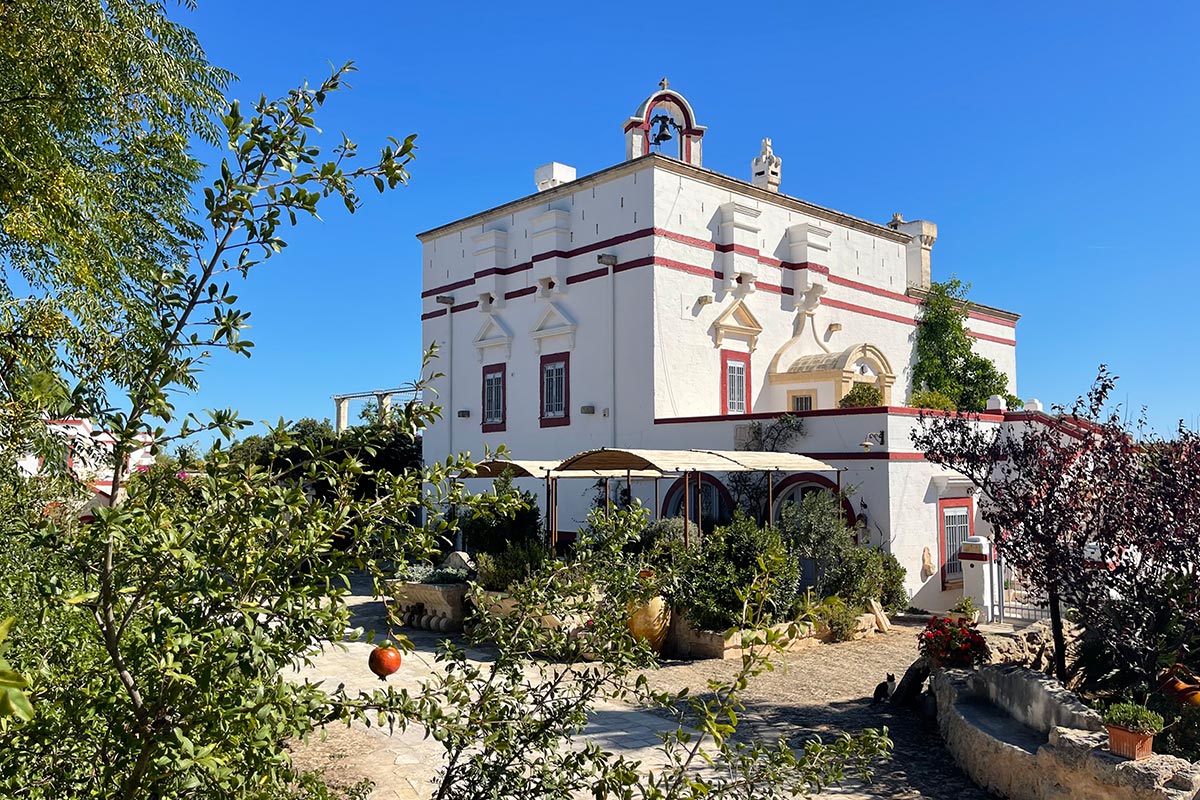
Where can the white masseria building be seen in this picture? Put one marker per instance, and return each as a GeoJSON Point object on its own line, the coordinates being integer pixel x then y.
{"type": "Point", "coordinates": [655, 304]}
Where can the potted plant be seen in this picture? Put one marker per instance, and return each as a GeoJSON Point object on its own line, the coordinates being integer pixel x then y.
{"type": "Point", "coordinates": [952, 644]}
{"type": "Point", "coordinates": [965, 610]}
{"type": "Point", "coordinates": [1131, 730]}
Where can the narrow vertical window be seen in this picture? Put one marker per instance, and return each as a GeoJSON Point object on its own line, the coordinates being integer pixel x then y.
{"type": "Point", "coordinates": [556, 390]}
{"type": "Point", "coordinates": [735, 382]}
{"type": "Point", "coordinates": [495, 401]}
{"type": "Point", "coordinates": [956, 525]}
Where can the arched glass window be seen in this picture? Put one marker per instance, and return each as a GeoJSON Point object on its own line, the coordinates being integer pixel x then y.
{"type": "Point", "coordinates": [708, 496]}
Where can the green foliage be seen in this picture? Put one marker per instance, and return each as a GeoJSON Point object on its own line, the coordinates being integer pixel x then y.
{"type": "Point", "coordinates": [868, 573]}
{"type": "Point", "coordinates": [815, 529]}
{"type": "Point", "coordinates": [512, 565]}
{"type": "Point", "coordinates": [840, 618]}
{"type": "Point", "coordinates": [486, 531]}
{"type": "Point", "coordinates": [947, 364]}
{"type": "Point", "coordinates": [965, 606]}
{"type": "Point", "coordinates": [956, 645]}
{"type": "Point", "coordinates": [862, 395]}
{"type": "Point", "coordinates": [1133, 717]}
{"type": "Point", "coordinates": [713, 577]}
{"type": "Point", "coordinates": [98, 104]}
{"type": "Point", "coordinates": [13, 700]}
{"type": "Point", "coordinates": [428, 573]}
{"type": "Point", "coordinates": [933, 399]}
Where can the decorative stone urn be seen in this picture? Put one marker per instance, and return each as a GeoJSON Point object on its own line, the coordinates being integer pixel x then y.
{"type": "Point", "coordinates": [650, 621]}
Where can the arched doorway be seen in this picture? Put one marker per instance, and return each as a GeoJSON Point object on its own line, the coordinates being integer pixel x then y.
{"type": "Point", "coordinates": [793, 489]}
{"type": "Point", "coordinates": [707, 494]}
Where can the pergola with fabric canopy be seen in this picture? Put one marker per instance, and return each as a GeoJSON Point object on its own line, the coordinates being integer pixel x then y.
{"type": "Point", "coordinates": [550, 472]}
{"type": "Point", "coordinates": [611, 462]}
{"type": "Point", "coordinates": [689, 464]}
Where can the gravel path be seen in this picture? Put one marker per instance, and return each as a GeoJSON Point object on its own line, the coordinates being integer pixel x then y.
{"type": "Point", "coordinates": [826, 690]}
{"type": "Point", "coordinates": [823, 689]}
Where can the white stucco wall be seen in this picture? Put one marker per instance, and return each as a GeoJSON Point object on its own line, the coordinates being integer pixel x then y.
{"type": "Point", "coordinates": [649, 364]}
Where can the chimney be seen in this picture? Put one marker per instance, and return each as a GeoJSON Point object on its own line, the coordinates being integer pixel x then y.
{"type": "Point", "coordinates": [918, 249]}
{"type": "Point", "coordinates": [997, 404]}
{"type": "Point", "coordinates": [553, 174]}
{"type": "Point", "coordinates": [765, 168]}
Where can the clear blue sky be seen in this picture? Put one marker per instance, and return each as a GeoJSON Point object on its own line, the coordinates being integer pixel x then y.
{"type": "Point", "coordinates": [1054, 144]}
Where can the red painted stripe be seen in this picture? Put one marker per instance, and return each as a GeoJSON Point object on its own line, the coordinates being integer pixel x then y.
{"type": "Point", "coordinates": [587, 276]}
{"type": "Point", "coordinates": [520, 292]}
{"type": "Point", "coordinates": [464, 306]}
{"type": "Point", "coordinates": [770, 287]}
{"type": "Point", "coordinates": [688, 268]}
{"type": "Point", "coordinates": [899, 411]}
{"type": "Point", "coordinates": [634, 264]}
{"type": "Point", "coordinates": [448, 287]}
{"type": "Point", "coordinates": [432, 314]}
{"type": "Point", "coordinates": [870, 312]}
{"type": "Point", "coordinates": [875, 290]}
{"type": "Point", "coordinates": [988, 338]}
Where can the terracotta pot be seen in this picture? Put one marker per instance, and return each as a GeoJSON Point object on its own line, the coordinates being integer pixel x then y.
{"type": "Point", "coordinates": [1181, 691]}
{"type": "Point", "coordinates": [650, 622]}
{"type": "Point", "coordinates": [1130, 744]}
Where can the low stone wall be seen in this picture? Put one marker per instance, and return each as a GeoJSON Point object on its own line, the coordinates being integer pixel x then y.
{"type": "Point", "coordinates": [1003, 726]}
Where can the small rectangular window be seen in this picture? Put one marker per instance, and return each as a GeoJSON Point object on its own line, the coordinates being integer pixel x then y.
{"type": "Point", "coordinates": [494, 399]}
{"type": "Point", "coordinates": [802, 402]}
{"type": "Point", "coordinates": [556, 390]}
{"type": "Point", "coordinates": [735, 382]}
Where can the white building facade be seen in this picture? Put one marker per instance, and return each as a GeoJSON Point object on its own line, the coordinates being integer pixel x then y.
{"type": "Point", "coordinates": [656, 304]}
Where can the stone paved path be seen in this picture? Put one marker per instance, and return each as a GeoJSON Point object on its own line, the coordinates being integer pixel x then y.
{"type": "Point", "coordinates": [823, 690]}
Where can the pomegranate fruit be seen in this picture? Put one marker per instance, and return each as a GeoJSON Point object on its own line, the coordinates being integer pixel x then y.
{"type": "Point", "coordinates": [384, 660]}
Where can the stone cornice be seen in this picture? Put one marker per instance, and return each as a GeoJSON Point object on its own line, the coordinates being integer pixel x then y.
{"type": "Point", "coordinates": [654, 160]}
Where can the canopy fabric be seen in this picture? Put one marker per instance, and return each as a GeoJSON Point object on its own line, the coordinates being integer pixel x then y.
{"type": "Point", "coordinates": [527, 468]}
{"type": "Point", "coordinates": [677, 461]}
{"type": "Point", "coordinates": [495, 467]}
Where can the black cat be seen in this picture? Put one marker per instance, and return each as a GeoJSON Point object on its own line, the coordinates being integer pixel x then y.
{"type": "Point", "coordinates": [884, 690]}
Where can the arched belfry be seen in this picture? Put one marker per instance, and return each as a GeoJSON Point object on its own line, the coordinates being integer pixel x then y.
{"type": "Point", "coordinates": [664, 123]}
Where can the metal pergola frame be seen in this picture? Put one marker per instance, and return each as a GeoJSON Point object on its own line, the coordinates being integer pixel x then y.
{"type": "Point", "coordinates": [609, 462]}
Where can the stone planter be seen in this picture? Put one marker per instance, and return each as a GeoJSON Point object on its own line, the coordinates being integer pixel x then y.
{"type": "Point", "coordinates": [430, 606]}
{"type": "Point", "coordinates": [1130, 744]}
{"type": "Point", "coordinates": [501, 604]}
{"type": "Point", "coordinates": [686, 641]}
{"type": "Point", "coordinates": [973, 617]}
{"type": "Point", "coordinates": [651, 622]}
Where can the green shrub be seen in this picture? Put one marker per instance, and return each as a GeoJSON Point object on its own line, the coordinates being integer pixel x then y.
{"type": "Point", "coordinates": [428, 573]}
{"type": "Point", "coordinates": [868, 573]}
{"type": "Point", "coordinates": [710, 576]}
{"type": "Point", "coordinates": [1133, 717]}
{"type": "Point", "coordinates": [514, 564]}
{"type": "Point", "coordinates": [492, 532]}
{"type": "Point", "coordinates": [840, 617]}
{"type": "Point", "coordinates": [658, 537]}
{"type": "Point", "coordinates": [862, 395]}
{"type": "Point", "coordinates": [965, 606]}
{"type": "Point", "coordinates": [931, 398]}
{"type": "Point", "coordinates": [956, 645]}
{"type": "Point", "coordinates": [815, 530]}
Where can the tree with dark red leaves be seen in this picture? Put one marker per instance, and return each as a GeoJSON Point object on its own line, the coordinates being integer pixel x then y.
{"type": "Point", "coordinates": [1081, 508]}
